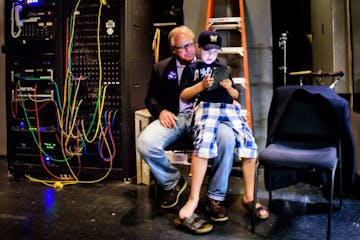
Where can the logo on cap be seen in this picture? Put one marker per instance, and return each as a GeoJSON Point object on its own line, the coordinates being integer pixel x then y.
{"type": "Point", "coordinates": [209, 40]}
{"type": "Point", "coordinates": [213, 38]}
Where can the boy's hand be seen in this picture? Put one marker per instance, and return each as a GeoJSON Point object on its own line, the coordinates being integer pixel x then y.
{"type": "Point", "coordinates": [226, 83]}
{"type": "Point", "coordinates": [207, 82]}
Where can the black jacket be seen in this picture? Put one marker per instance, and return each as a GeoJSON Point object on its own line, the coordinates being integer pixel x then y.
{"type": "Point", "coordinates": [282, 97]}
{"type": "Point", "coordinates": [164, 90]}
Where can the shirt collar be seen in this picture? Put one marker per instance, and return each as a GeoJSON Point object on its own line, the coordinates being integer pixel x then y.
{"type": "Point", "coordinates": [179, 65]}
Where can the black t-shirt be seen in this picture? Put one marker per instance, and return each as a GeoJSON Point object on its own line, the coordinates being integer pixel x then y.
{"type": "Point", "coordinates": [195, 73]}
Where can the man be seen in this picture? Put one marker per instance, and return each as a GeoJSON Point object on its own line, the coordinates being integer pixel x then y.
{"type": "Point", "coordinates": [172, 119]}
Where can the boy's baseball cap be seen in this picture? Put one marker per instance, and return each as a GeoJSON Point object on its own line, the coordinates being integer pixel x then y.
{"type": "Point", "coordinates": [209, 40]}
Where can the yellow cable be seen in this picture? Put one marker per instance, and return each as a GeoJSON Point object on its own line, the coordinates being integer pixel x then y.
{"type": "Point", "coordinates": [74, 109]}
{"type": "Point", "coordinates": [101, 95]}
{"type": "Point", "coordinates": [99, 119]}
{"type": "Point", "coordinates": [156, 44]}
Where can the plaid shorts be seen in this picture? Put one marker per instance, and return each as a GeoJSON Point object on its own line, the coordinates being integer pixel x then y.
{"type": "Point", "coordinates": [208, 116]}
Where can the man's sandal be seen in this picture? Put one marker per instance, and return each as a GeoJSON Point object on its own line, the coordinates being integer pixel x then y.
{"type": "Point", "coordinates": [194, 224]}
{"type": "Point", "coordinates": [248, 206]}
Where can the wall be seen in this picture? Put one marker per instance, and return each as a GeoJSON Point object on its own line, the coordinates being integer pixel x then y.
{"type": "Point", "coordinates": [330, 40]}
{"type": "Point", "coordinates": [260, 47]}
{"type": "Point", "coordinates": [195, 15]}
{"type": "Point", "coordinates": [334, 50]}
{"type": "Point", "coordinates": [355, 120]}
{"type": "Point", "coordinates": [2, 86]}
{"type": "Point", "coordinates": [355, 22]}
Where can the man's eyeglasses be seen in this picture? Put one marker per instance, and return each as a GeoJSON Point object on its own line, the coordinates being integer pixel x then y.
{"type": "Point", "coordinates": [185, 46]}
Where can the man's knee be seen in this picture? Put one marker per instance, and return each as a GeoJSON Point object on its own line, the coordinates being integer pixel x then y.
{"type": "Point", "coordinates": [225, 133]}
{"type": "Point", "coordinates": [142, 144]}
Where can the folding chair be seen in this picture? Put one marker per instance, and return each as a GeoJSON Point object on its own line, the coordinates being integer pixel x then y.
{"type": "Point", "coordinates": [305, 136]}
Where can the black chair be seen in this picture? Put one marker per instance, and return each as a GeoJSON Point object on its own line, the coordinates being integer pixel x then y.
{"type": "Point", "coordinates": [303, 137]}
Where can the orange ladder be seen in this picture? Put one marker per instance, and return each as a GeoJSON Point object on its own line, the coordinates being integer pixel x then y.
{"type": "Point", "coordinates": [230, 24]}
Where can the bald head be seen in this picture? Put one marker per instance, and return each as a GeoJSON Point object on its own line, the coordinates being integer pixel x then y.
{"type": "Point", "coordinates": [179, 32]}
{"type": "Point", "coordinates": [181, 41]}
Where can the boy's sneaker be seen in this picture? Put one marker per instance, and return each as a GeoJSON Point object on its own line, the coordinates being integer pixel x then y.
{"type": "Point", "coordinates": [171, 197]}
{"type": "Point", "coordinates": [216, 210]}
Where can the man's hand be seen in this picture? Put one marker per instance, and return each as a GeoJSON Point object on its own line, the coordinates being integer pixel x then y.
{"type": "Point", "coordinates": [167, 119]}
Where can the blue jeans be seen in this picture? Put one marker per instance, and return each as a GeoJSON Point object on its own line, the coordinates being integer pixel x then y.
{"type": "Point", "coordinates": [155, 138]}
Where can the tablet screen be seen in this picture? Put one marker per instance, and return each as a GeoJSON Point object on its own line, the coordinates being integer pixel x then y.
{"type": "Point", "coordinates": [219, 74]}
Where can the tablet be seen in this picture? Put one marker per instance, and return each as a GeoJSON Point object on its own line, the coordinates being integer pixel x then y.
{"type": "Point", "coordinates": [219, 74]}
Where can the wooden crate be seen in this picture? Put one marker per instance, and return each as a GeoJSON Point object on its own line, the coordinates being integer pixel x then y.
{"type": "Point", "coordinates": [142, 120]}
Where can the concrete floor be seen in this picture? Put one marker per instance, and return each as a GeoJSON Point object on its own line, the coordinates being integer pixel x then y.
{"type": "Point", "coordinates": [118, 210]}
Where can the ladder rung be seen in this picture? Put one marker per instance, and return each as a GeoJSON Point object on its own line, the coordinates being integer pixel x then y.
{"type": "Point", "coordinates": [232, 50]}
{"type": "Point", "coordinates": [225, 23]}
{"type": "Point", "coordinates": [225, 27]}
{"type": "Point", "coordinates": [239, 80]}
{"type": "Point", "coordinates": [224, 20]}
{"type": "Point", "coordinates": [243, 112]}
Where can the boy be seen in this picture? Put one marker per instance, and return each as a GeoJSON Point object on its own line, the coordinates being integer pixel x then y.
{"type": "Point", "coordinates": [215, 106]}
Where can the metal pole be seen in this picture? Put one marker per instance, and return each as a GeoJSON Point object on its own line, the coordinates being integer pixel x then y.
{"type": "Point", "coordinates": [282, 44]}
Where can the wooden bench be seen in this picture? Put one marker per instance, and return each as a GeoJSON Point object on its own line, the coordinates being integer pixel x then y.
{"type": "Point", "coordinates": [178, 152]}
{"type": "Point", "coordinates": [142, 120]}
